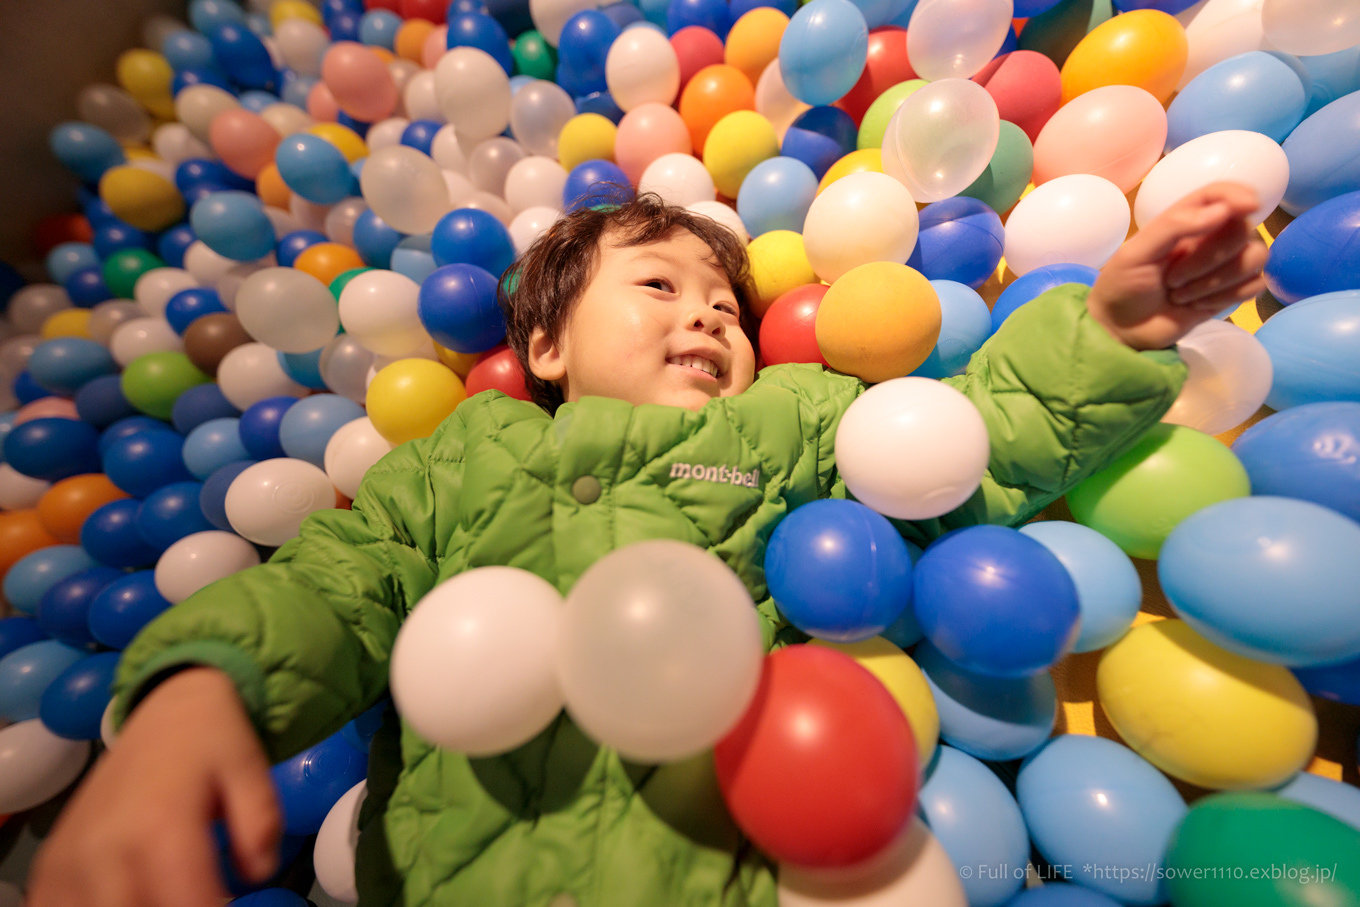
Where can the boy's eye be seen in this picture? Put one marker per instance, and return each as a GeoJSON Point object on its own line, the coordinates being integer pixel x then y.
{"type": "Point", "coordinates": [729, 307]}
{"type": "Point", "coordinates": [660, 283]}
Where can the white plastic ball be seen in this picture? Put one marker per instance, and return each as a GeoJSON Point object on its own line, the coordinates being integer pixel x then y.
{"type": "Point", "coordinates": [140, 336]}
{"type": "Point", "coordinates": [351, 452]}
{"type": "Point", "coordinates": [199, 560]}
{"type": "Point", "coordinates": [379, 309]}
{"type": "Point", "coordinates": [267, 503]}
{"type": "Point", "coordinates": [679, 178]}
{"type": "Point", "coordinates": [251, 372]}
{"type": "Point", "coordinates": [1077, 219]}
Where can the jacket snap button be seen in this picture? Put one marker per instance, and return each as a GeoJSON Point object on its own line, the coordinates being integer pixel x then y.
{"type": "Point", "coordinates": [563, 900]}
{"type": "Point", "coordinates": [586, 489]}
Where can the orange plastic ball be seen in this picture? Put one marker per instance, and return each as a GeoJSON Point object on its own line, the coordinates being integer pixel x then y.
{"type": "Point", "coordinates": [271, 188]}
{"type": "Point", "coordinates": [65, 506]}
{"type": "Point", "coordinates": [878, 321]}
{"type": "Point", "coordinates": [713, 93]}
{"type": "Point", "coordinates": [410, 40]}
{"type": "Point", "coordinates": [1144, 47]}
{"type": "Point", "coordinates": [753, 42]}
{"type": "Point", "coordinates": [327, 260]}
{"type": "Point", "coordinates": [21, 533]}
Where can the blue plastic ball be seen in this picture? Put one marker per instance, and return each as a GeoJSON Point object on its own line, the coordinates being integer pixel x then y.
{"type": "Point", "coordinates": [1053, 894]}
{"type": "Point", "coordinates": [234, 225]}
{"type": "Point", "coordinates": [314, 168]}
{"type": "Point", "coordinates": [1335, 798]}
{"type": "Point", "coordinates": [64, 612]}
{"type": "Point", "coordinates": [187, 306]}
{"type": "Point", "coordinates": [124, 428]}
{"type": "Point", "coordinates": [1273, 579]}
{"type": "Point", "coordinates": [26, 390]}
{"type": "Point", "coordinates": [1310, 452]}
{"type": "Point", "coordinates": [623, 14]}
{"type": "Point", "coordinates": [881, 12]}
{"type": "Point", "coordinates": [1036, 283]}
{"type": "Point", "coordinates": [1255, 91]}
{"type": "Point", "coordinates": [69, 257]}
{"type": "Point", "coordinates": [86, 287]}
{"type": "Point", "coordinates": [110, 536]}
{"type": "Point", "coordinates": [213, 445]}
{"type": "Point", "coordinates": [125, 605]}
{"type": "Point", "coordinates": [375, 240]}
{"type": "Point", "coordinates": [27, 671]}
{"type": "Point", "coordinates": [53, 449]}
{"type": "Point", "coordinates": [311, 782]}
{"type": "Point", "coordinates": [359, 732]}
{"type": "Point", "coordinates": [142, 462]}
{"type": "Point", "coordinates": [776, 195]}
{"type": "Point", "coordinates": [173, 243]}
{"type": "Point", "coordinates": [73, 704]}
{"type": "Point", "coordinates": [65, 364]}
{"type": "Point", "coordinates": [1314, 350]}
{"type": "Point", "coordinates": [1332, 75]}
{"type": "Point", "coordinates": [33, 574]}
{"type": "Point", "coordinates": [213, 498]}
{"type": "Point", "coordinates": [256, 101]}
{"type": "Point", "coordinates": [243, 56]}
{"type": "Point", "coordinates": [823, 50]}
{"type": "Point", "coordinates": [819, 137]}
{"type": "Point", "coordinates": [205, 15]}
{"type": "Point", "coordinates": [259, 427]}
{"type": "Point", "coordinates": [992, 718]}
{"type": "Point", "coordinates": [485, 34]}
{"type": "Point", "coordinates": [960, 239]}
{"type": "Point", "coordinates": [419, 134]}
{"type": "Point", "coordinates": [170, 513]}
{"type": "Point", "coordinates": [304, 368]}
{"type": "Point", "coordinates": [1318, 253]}
{"type": "Point", "coordinates": [274, 897]}
{"type": "Point", "coordinates": [308, 425]}
{"type": "Point", "coordinates": [207, 75]}
{"type": "Point", "coordinates": [457, 306]}
{"type": "Point", "coordinates": [713, 15]}
{"type": "Point", "coordinates": [291, 245]}
{"type": "Point", "coordinates": [742, 7]}
{"type": "Point", "coordinates": [345, 26]}
{"type": "Point", "coordinates": [185, 49]}
{"type": "Point", "coordinates": [585, 42]}
{"type": "Point", "coordinates": [85, 150]}
{"type": "Point", "coordinates": [17, 632]}
{"type": "Point", "coordinates": [978, 823]}
{"type": "Point", "coordinates": [473, 237]}
{"type": "Point", "coordinates": [965, 324]}
{"type": "Point", "coordinates": [412, 257]}
{"type": "Point", "coordinates": [996, 601]}
{"type": "Point", "coordinates": [1109, 591]}
{"type": "Point", "coordinates": [200, 404]}
{"type": "Point", "coordinates": [594, 183]}
{"type": "Point", "coordinates": [602, 102]}
{"type": "Point", "coordinates": [112, 235]}
{"type": "Point", "coordinates": [101, 402]}
{"type": "Point", "coordinates": [378, 28]}
{"type": "Point", "coordinates": [198, 171]}
{"type": "Point", "coordinates": [838, 570]}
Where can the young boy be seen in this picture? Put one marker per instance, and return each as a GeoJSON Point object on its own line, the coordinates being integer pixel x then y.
{"type": "Point", "coordinates": [634, 329]}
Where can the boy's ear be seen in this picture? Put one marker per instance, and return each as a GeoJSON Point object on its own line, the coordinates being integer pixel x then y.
{"type": "Point", "coordinates": [545, 359]}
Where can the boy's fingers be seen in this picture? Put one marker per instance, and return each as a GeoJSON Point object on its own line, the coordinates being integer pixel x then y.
{"type": "Point", "coordinates": [254, 823]}
{"type": "Point", "coordinates": [1217, 302]}
{"type": "Point", "coordinates": [186, 872]}
{"type": "Point", "coordinates": [1199, 213]}
{"type": "Point", "coordinates": [1210, 274]}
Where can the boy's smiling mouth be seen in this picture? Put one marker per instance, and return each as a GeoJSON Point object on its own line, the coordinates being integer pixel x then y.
{"type": "Point", "coordinates": [697, 363]}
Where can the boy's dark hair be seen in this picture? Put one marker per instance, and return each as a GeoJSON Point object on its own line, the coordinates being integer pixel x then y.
{"type": "Point", "coordinates": [543, 286]}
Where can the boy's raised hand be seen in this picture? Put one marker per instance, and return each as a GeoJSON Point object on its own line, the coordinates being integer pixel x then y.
{"type": "Point", "coordinates": [138, 831]}
{"type": "Point", "coordinates": [1190, 263]}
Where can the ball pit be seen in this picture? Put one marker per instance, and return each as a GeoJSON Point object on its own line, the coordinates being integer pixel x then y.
{"type": "Point", "coordinates": [292, 224]}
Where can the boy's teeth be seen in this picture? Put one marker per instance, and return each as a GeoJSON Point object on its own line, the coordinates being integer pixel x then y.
{"type": "Point", "coordinates": [696, 362]}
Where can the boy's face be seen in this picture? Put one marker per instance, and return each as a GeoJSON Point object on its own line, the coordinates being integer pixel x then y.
{"type": "Point", "coordinates": [658, 323]}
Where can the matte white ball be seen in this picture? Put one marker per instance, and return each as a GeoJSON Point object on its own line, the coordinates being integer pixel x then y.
{"type": "Point", "coordinates": [914, 869]}
{"type": "Point", "coordinates": [203, 263]}
{"type": "Point", "coordinates": [199, 560]}
{"type": "Point", "coordinates": [642, 67]}
{"type": "Point", "coordinates": [473, 92]}
{"type": "Point", "coordinates": [1078, 219]}
{"type": "Point", "coordinates": [723, 214]}
{"type": "Point", "coordinates": [287, 309]}
{"type": "Point", "coordinates": [1237, 155]}
{"type": "Point", "coordinates": [333, 852]}
{"type": "Point", "coordinates": [679, 178]}
{"type": "Point", "coordinates": [386, 133]}
{"type": "Point", "coordinates": [351, 452]}
{"type": "Point", "coordinates": [535, 182]}
{"type": "Point", "coordinates": [473, 665]}
{"type": "Point", "coordinates": [36, 764]}
{"type": "Point", "coordinates": [419, 99]}
{"type": "Point", "coordinates": [18, 491]}
{"type": "Point", "coordinates": [251, 372]}
{"type": "Point", "coordinates": [912, 448]}
{"type": "Point", "coordinates": [530, 224]}
{"type": "Point", "coordinates": [858, 219]}
{"type": "Point", "coordinates": [140, 336]}
{"type": "Point", "coordinates": [267, 503]}
{"type": "Point", "coordinates": [154, 288]}
{"type": "Point", "coordinates": [379, 309]}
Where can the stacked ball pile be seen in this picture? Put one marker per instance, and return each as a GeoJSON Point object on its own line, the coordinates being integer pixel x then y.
{"type": "Point", "coordinates": [294, 220]}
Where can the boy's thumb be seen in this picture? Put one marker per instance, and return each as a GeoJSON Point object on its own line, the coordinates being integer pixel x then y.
{"type": "Point", "coordinates": [254, 822]}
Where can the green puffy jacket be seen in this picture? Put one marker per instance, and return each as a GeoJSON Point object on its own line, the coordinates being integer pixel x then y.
{"type": "Point", "coordinates": [307, 637]}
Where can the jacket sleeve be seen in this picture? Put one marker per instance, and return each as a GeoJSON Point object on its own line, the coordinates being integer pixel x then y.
{"type": "Point", "coordinates": [306, 638]}
{"type": "Point", "coordinates": [1061, 399]}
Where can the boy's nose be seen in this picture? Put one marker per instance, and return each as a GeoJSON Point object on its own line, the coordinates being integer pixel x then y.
{"type": "Point", "coordinates": [707, 319]}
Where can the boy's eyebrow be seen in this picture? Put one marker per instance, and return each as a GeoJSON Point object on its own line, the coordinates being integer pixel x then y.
{"type": "Point", "coordinates": [709, 260]}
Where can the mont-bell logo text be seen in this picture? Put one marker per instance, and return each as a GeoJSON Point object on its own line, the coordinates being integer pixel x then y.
{"type": "Point", "coordinates": [726, 475]}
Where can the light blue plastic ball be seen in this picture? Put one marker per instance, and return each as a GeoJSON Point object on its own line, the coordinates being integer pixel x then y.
{"type": "Point", "coordinates": [1092, 805]}
{"type": "Point", "coordinates": [33, 574]}
{"type": "Point", "coordinates": [1108, 588]}
{"type": "Point", "coordinates": [64, 364]}
{"type": "Point", "coordinates": [308, 425]}
{"type": "Point", "coordinates": [1255, 91]}
{"type": "Point", "coordinates": [965, 324]}
{"type": "Point", "coordinates": [776, 195]}
{"type": "Point", "coordinates": [213, 445]}
{"type": "Point", "coordinates": [1333, 76]}
{"type": "Point", "coordinates": [234, 225]}
{"type": "Point", "coordinates": [1314, 349]}
{"type": "Point", "coordinates": [1274, 579]}
{"type": "Point", "coordinates": [978, 823]}
{"type": "Point", "coordinates": [26, 673]}
{"type": "Point", "coordinates": [68, 258]}
{"type": "Point", "coordinates": [823, 50]}
{"type": "Point", "coordinates": [314, 168]}
{"type": "Point", "coordinates": [85, 150]}
{"type": "Point", "coordinates": [378, 28]}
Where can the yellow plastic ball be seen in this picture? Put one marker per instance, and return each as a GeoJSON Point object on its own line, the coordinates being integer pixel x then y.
{"type": "Point", "coordinates": [779, 263]}
{"type": "Point", "coordinates": [865, 160]}
{"type": "Point", "coordinates": [878, 321]}
{"type": "Point", "coordinates": [586, 137]}
{"type": "Point", "coordinates": [1144, 47]}
{"type": "Point", "coordinates": [148, 77]}
{"type": "Point", "coordinates": [409, 398]}
{"type": "Point", "coordinates": [753, 42]}
{"type": "Point", "coordinates": [342, 137]}
{"type": "Point", "coordinates": [905, 681]}
{"type": "Point", "coordinates": [735, 144]}
{"type": "Point", "coordinates": [293, 9]}
{"type": "Point", "coordinates": [73, 322]}
{"type": "Point", "coordinates": [461, 363]}
{"type": "Point", "coordinates": [144, 199]}
{"type": "Point", "coordinates": [1204, 714]}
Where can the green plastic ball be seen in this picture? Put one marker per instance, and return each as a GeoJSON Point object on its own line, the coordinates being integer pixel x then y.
{"type": "Point", "coordinates": [534, 56]}
{"type": "Point", "coordinates": [122, 268]}
{"type": "Point", "coordinates": [342, 280]}
{"type": "Point", "coordinates": [1003, 182]}
{"type": "Point", "coordinates": [153, 382]}
{"type": "Point", "coordinates": [875, 123]}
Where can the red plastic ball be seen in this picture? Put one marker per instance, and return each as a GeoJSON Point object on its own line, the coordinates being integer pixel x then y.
{"type": "Point", "coordinates": [498, 369]}
{"type": "Point", "coordinates": [696, 47]}
{"type": "Point", "coordinates": [435, 11]}
{"type": "Point", "coordinates": [1026, 86]}
{"type": "Point", "coordinates": [788, 332]}
{"type": "Point", "coordinates": [393, 5]}
{"type": "Point", "coordinates": [821, 770]}
{"type": "Point", "coordinates": [56, 229]}
{"type": "Point", "coordinates": [885, 66]}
